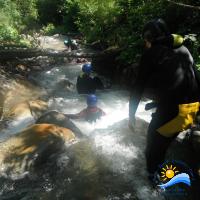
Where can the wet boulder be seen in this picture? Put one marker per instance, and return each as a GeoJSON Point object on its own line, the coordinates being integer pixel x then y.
{"type": "Point", "coordinates": [20, 91]}
{"type": "Point", "coordinates": [60, 119]}
{"type": "Point", "coordinates": [1, 104]}
{"type": "Point", "coordinates": [38, 107]}
{"type": "Point", "coordinates": [32, 147]}
{"type": "Point", "coordinates": [27, 109]}
{"type": "Point", "coordinates": [195, 139]}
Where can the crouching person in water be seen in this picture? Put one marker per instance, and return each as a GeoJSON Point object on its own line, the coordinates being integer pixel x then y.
{"type": "Point", "coordinates": [85, 83]}
{"type": "Point", "coordinates": [68, 43]}
{"type": "Point", "coordinates": [91, 113]}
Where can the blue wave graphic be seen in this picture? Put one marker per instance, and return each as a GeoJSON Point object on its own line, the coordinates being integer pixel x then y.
{"type": "Point", "coordinates": [180, 178]}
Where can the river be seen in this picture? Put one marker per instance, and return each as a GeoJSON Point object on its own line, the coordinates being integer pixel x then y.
{"type": "Point", "coordinates": [108, 164]}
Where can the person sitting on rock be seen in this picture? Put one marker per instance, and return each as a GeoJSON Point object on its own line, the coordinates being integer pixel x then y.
{"type": "Point", "coordinates": [91, 113]}
{"type": "Point", "coordinates": [85, 83]}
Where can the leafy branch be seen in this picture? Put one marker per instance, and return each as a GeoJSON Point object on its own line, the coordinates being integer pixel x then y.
{"type": "Point", "coordinates": [184, 5]}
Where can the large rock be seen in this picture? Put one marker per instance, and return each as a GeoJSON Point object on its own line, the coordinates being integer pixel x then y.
{"type": "Point", "coordinates": [1, 104]}
{"type": "Point", "coordinates": [54, 117]}
{"type": "Point", "coordinates": [32, 147]}
{"type": "Point", "coordinates": [26, 109]}
{"type": "Point", "coordinates": [20, 91]}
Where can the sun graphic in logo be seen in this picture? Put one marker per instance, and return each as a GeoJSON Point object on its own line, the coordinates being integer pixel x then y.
{"type": "Point", "coordinates": [168, 172]}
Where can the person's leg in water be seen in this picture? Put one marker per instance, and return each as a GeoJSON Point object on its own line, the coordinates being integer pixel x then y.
{"type": "Point", "coordinates": [156, 147]}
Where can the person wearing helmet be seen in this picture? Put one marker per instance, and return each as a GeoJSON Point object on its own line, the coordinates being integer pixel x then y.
{"type": "Point", "coordinates": [167, 67]}
{"type": "Point", "coordinates": [85, 83]}
{"type": "Point", "coordinates": [91, 113]}
{"type": "Point", "coordinates": [68, 43]}
{"type": "Point", "coordinates": [74, 45]}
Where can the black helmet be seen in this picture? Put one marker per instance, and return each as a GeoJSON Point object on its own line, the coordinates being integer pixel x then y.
{"type": "Point", "coordinates": [155, 29]}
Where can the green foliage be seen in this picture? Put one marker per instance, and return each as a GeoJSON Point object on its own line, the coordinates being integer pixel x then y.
{"type": "Point", "coordinates": [15, 16]}
{"type": "Point", "coordinates": [119, 22]}
{"type": "Point", "coordinates": [8, 33]}
{"type": "Point", "coordinates": [112, 22]}
{"type": "Point", "coordinates": [96, 20]}
{"type": "Point", "coordinates": [50, 11]}
{"type": "Point", "coordinates": [27, 10]}
{"type": "Point", "coordinates": [49, 29]}
{"type": "Point", "coordinates": [70, 17]}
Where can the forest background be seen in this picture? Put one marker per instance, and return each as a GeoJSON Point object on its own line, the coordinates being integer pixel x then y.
{"type": "Point", "coordinates": [111, 23]}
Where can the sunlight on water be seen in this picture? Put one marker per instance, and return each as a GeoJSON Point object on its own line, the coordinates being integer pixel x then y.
{"type": "Point", "coordinates": [111, 135]}
{"type": "Point", "coordinates": [121, 150]}
{"type": "Point", "coordinates": [16, 126]}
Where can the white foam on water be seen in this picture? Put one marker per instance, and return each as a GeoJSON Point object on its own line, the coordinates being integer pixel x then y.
{"type": "Point", "coordinates": [16, 126]}
{"type": "Point", "coordinates": [122, 149]}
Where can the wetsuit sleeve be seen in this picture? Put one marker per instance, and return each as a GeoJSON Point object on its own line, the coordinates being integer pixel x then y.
{"type": "Point", "coordinates": [145, 69]}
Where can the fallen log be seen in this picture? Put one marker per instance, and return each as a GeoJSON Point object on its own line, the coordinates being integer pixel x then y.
{"type": "Point", "coordinates": [6, 54]}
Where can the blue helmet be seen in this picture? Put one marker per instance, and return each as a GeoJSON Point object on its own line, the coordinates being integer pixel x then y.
{"type": "Point", "coordinates": [91, 100]}
{"type": "Point", "coordinates": [87, 68]}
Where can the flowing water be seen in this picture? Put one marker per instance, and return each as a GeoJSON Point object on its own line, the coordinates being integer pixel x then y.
{"type": "Point", "coordinates": [108, 164]}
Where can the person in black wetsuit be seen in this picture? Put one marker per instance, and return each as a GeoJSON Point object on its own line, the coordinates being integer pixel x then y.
{"type": "Point", "coordinates": [168, 67]}
{"type": "Point", "coordinates": [85, 83]}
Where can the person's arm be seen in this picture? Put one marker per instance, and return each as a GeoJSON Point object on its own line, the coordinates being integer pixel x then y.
{"type": "Point", "coordinates": [102, 112]}
{"type": "Point", "coordinates": [138, 87]}
{"type": "Point", "coordinates": [78, 115]}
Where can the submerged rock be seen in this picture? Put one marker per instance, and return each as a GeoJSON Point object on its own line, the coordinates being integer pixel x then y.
{"type": "Point", "coordinates": [60, 119]}
{"type": "Point", "coordinates": [32, 147]}
{"type": "Point", "coordinates": [33, 108]}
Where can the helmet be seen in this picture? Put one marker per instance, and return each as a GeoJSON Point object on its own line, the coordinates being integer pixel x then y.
{"type": "Point", "coordinates": [87, 68]}
{"type": "Point", "coordinates": [155, 29]}
{"type": "Point", "coordinates": [91, 100]}
{"type": "Point", "coordinates": [66, 42]}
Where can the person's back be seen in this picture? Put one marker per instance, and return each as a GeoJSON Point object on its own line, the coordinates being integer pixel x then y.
{"type": "Point", "coordinates": [85, 84]}
{"type": "Point", "coordinates": [171, 75]}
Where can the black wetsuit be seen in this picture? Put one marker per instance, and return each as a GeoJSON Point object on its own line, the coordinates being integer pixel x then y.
{"type": "Point", "coordinates": [88, 85]}
{"type": "Point", "coordinates": [85, 84]}
{"type": "Point", "coordinates": [170, 73]}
